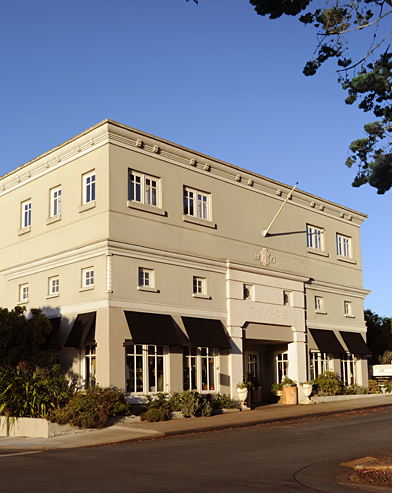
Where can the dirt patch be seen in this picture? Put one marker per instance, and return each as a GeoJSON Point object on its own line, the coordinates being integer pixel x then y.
{"type": "Point", "coordinates": [381, 478]}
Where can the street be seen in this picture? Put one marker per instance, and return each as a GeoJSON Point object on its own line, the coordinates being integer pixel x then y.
{"type": "Point", "coordinates": [266, 458]}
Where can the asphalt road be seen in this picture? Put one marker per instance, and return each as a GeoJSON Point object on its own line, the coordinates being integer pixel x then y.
{"type": "Point", "coordinates": [301, 456]}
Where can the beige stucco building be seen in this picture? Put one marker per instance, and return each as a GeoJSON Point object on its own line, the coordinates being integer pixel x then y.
{"type": "Point", "coordinates": [152, 263]}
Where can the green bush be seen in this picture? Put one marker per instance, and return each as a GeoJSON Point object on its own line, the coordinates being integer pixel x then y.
{"type": "Point", "coordinates": [328, 384]}
{"type": "Point", "coordinates": [388, 387]}
{"type": "Point", "coordinates": [33, 392]}
{"type": "Point", "coordinates": [355, 389]}
{"type": "Point", "coordinates": [156, 415]}
{"type": "Point", "coordinates": [219, 401]}
{"type": "Point", "coordinates": [195, 404]}
{"type": "Point", "coordinates": [373, 387]}
{"type": "Point", "coordinates": [90, 409]}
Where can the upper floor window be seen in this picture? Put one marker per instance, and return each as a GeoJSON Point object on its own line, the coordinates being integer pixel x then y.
{"type": "Point", "coordinates": [88, 277]}
{"type": "Point", "coordinates": [319, 304]}
{"type": "Point", "coordinates": [143, 189]}
{"type": "Point", "coordinates": [348, 310]}
{"type": "Point", "coordinates": [55, 202]}
{"type": "Point", "coordinates": [315, 237]}
{"type": "Point", "coordinates": [196, 203]}
{"type": "Point", "coordinates": [89, 187]}
{"type": "Point", "coordinates": [146, 277]}
{"type": "Point", "coordinates": [26, 213]}
{"type": "Point", "coordinates": [343, 246]}
{"type": "Point", "coordinates": [54, 285]}
{"type": "Point", "coordinates": [24, 293]}
{"type": "Point", "coordinates": [199, 285]}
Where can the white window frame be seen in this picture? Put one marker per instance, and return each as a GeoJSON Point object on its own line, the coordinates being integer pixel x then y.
{"type": "Point", "coordinates": [160, 352]}
{"type": "Point", "coordinates": [282, 366]}
{"type": "Point", "coordinates": [204, 361]}
{"type": "Point", "coordinates": [319, 304]}
{"type": "Point", "coordinates": [54, 286]}
{"type": "Point", "coordinates": [348, 368]}
{"type": "Point", "coordinates": [145, 190]}
{"type": "Point", "coordinates": [315, 238]}
{"type": "Point", "coordinates": [23, 293]}
{"type": "Point", "coordinates": [89, 362]}
{"type": "Point", "coordinates": [348, 309]}
{"type": "Point", "coordinates": [89, 181]}
{"type": "Point", "coordinates": [344, 246]}
{"type": "Point", "coordinates": [199, 288]}
{"type": "Point", "coordinates": [200, 208]}
{"type": "Point", "coordinates": [55, 201]}
{"type": "Point", "coordinates": [26, 215]}
{"type": "Point", "coordinates": [87, 278]}
{"type": "Point", "coordinates": [320, 362]}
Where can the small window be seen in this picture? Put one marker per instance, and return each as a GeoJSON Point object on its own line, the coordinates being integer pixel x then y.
{"type": "Point", "coordinates": [319, 304]}
{"type": "Point", "coordinates": [26, 214]}
{"type": "Point", "coordinates": [343, 246]}
{"type": "Point", "coordinates": [199, 285]}
{"type": "Point", "coordinates": [55, 202]}
{"type": "Point", "coordinates": [89, 187]}
{"type": "Point", "coordinates": [90, 366]}
{"type": "Point", "coordinates": [287, 298]}
{"type": "Point", "coordinates": [24, 293]}
{"type": "Point", "coordinates": [315, 238]}
{"type": "Point", "coordinates": [88, 278]}
{"type": "Point", "coordinates": [247, 292]}
{"type": "Point", "coordinates": [196, 204]}
{"type": "Point", "coordinates": [54, 285]}
{"type": "Point", "coordinates": [347, 309]}
{"type": "Point", "coordinates": [143, 189]}
{"type": "Point", "coordinates": [146, 277]}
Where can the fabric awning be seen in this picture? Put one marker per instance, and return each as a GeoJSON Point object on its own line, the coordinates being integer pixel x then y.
{"type": "Point", "coordinates": [150, 328]}
{"type": "Point", "coordinates": [83, 330]}
{"type": "Point", "coordinates": [53, 337]}
{"type": "Point", "coordinates": [327, 341]}
{"type": "Point", "coordinates": [204, 332]}
{"type": "Point", "coordinates": [355, 343]}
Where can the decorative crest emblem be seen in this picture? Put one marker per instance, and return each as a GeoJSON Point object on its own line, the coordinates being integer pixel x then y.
{"type": "Point", "coordinates": [264, 257]}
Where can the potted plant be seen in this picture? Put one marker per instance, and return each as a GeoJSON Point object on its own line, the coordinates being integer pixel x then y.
{"type": "Point", "coordinates": [277, 389]}
{"type": "Point", "coordinates": [307, 390]}
{"type": "Point", "coordinates": [242, 390]}
{"type": "Point", "coordinates": [289, 391]}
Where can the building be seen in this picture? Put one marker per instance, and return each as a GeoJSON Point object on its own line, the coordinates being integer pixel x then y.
{"type": "Point", "coordinates": [152, 263]}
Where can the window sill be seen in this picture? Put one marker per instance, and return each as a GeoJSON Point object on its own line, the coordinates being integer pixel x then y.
{"type": "Point", "coordinates": [24, 230]}
{"type": "Point", "coordinates": [349, 316]}
{"type": "Point", "coordinates": [147, 289]}
{"type": "Point", "coordinates": [317, 252]}
{"type": "Point", "coordinates": [85, 288]}
{"type": "Point", "coordinates": [320, 312]}
{"type": "Point", "coordinates": [22, 302]}
{"type": "Point", "coordinates": [200, 222]}
{"type": "Point", "coordinates": [201, 296]}
{"type": "Point", "coordinates": [52, 296]}
{"type": "Point", "coordinates": [346, 259]}
{"type": "Point", "coordinates": [55, 218]}
{"type": "Point", "coordinates": [87, 206]}
{"type": "Point", "coordinates": [145, 208]}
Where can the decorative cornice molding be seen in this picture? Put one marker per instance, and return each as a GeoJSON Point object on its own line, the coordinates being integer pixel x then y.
{"type": "Point", "coordinates": [320, 286]}
{"type": "Point", "coordinates": [336, 327]}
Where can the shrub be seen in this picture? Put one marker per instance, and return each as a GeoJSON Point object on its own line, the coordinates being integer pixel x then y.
{"type": "Point", "coordinates": [33, 392]}
{"type": "Point", "coordinates": [328, 384]}
{"type": "Point", "coordinates": [388, 387]}
{"type": "Point", "coordinates": [156, 415]}
{"type": "Point", "coordinates": [355, 389]}
{"type": "Point", "coordinates": [373, 387]}
{"type": "Point", "coordinates": [90, 409]}
{"type": "Point", "coordinates": [195, 404]}
{"type": "Point", "coordinates": [223, 401]}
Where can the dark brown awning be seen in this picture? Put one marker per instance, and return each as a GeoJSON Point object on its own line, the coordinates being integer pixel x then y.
{"type": "Point", "coordinates": [355, 343]}
{"type": "Point", "coordinates": [53, 337]}
{"type": "Point", "coordinates": [150, 328]}
{"type": "Point", "coordinates": [327, 341]}
{"type": "Point", "coordinates": [83, 330]}
{"type": "Point", "coordinates": [205, 332]}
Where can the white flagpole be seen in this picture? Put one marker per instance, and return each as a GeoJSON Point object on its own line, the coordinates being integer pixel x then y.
{"type": "Point", "coordinates": [265, 232]}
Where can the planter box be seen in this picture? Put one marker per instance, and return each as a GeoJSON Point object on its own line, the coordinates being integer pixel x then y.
{"type": "Point", "coordinates": [32, 427]}
{"type": "Point", "coordinates": [290, 395]}
{"type": "Point", "coordinates": [332, 399]}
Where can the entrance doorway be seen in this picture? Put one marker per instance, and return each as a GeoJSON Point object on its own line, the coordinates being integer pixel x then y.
{"type": "Point", "coordinates": [252, 371]}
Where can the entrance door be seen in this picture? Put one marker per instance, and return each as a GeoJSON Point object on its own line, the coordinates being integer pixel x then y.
{"type": "Point", "coordinates": [253, 371]}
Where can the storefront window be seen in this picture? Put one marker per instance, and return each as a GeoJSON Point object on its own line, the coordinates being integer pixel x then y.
{"type": "Point", "coordinates": [145, 368]}
{"type": "Point", "coordinates": [190, 368]}
{"type": "Point", "coordinates": [348, 369]}
{"type": "Point", "coordinates": [90, 365]}
{"type": "Point", "coordinates": [319, 363]}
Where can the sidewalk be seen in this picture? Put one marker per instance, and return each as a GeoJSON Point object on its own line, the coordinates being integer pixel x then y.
{"type": "Point", "coordinates": [126, 429]}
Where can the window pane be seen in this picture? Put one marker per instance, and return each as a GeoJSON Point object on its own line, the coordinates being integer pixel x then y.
{"type": "Point", "coordinates": [160, 373]}
{"type": "Point", "coordinates": [204, 374]}
{"type": "Point", "coordinates": [152, 373]}
{"type": "Point", "coordinates": [186, 379]}
{"type": "Point", "coordinates": [211, 366]}
{"type": "Point", "coordinates": [151, 349]}
{"type": "Point", "coordinates": [139, 373]}
{"type": "Point", "coordinates": [193, 373]}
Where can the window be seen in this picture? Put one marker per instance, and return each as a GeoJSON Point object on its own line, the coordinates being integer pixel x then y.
{"type": "Point", "coordinates": [55, 202]}
{"type": "Point", "coordinates": [199, 285]}
{"type": "Point", "coordinates": [24, 293]}
{"type": "Point", "coordinates": [90, 365]}
{"type": "Point", "coordinates": [348, 369]}
{"type": "Point", "coordinates": [315, 238]}
{"type": "Point", "coordinates": [319, 304]}
{"type": "Point", "coordinates": [347, 309]}
{"type": "Point", "coordinates": [199, 368]}
{"type": "Point", "coordinates": [145, 368]}
{"type": "Point", "coordinates": [89, 187]}
{"type": "Point", "coordinates": [26, 214]}
{"type": "Point", "coordinates": [146, 277]}
{"type": "Point", "coordinates": [143, 189]}
{"type": "Point", "coordinates": [287, 298]}
{"type": "Point", "coordinates": [343, 246]}
{"type": "Point", "coordinates": [282, 364]}
{"type": "Point", "coordinates": [196, 204]}
{"type": "Point", "coordinates": [319, 363]}
{"type": "Point", "coordinates": [247, 292]}
{"type": "Point", "coordinates": [54, 285]}
{"type": "Point", "coordinates": [88, 278]}
{"type": "Point", "coordinates": [55, 352]}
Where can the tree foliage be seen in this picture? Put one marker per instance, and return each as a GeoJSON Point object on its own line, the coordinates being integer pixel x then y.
{"type": "Point", "coordinates": [22, 338]}
{"type": "Point", "coordinates": [367, 80]}
{"type": "Point", "coordinates": [379, 334]}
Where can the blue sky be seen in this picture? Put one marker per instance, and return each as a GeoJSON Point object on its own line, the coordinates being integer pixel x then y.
{"type": "Point", "coordinates": [216, 78]}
